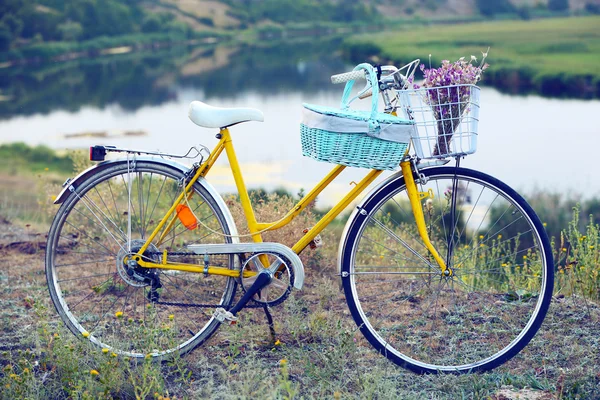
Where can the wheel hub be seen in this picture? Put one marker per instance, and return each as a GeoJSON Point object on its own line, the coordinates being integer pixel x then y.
{"type": "Point", "coordinates": [130, 271]}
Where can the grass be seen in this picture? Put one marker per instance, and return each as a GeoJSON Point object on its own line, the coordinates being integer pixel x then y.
{"type": "Point", "coordinates": [563, 49]}
{"type": "Point", "coordinates": [319, 352]}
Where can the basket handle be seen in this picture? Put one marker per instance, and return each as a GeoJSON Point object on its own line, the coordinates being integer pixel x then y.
{"type": "Point", "coordinates": [371, 76]}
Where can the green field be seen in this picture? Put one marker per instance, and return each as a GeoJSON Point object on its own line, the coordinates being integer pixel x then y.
{"type": "Point", "coordinates": [545, 55]}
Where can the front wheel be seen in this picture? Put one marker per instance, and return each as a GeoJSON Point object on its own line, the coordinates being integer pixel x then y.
{"type": "Point", "coordinates": [490, 303]}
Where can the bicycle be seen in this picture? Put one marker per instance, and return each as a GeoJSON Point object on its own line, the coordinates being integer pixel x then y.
{"type": "Point", "coordinates": [444, 269]}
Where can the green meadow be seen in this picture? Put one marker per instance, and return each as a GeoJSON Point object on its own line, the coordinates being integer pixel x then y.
{"type": "Point", "coordinates": [546, 55]}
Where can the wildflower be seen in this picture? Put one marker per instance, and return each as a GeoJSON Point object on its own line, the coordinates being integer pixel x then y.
{"type": "Point", "coordinates": [119, 314]}
{"type": "Point", "coordinates": [93, 372]}
{"type": "Point", "coordinates": [337, 395]}
{"type": "Point", "coordinates": [85, 334]}
{"type": "Point", "coordinates": [564, 249]}
{"type": "Point", "coordinates": [283, 362]}
{"type": "Point", "coordinates": [544, 224]}
{"type": "Point", "coordinates": [113, 354]}
{"type": "Point", "coordinates": [277, 342]}
{"type": "Point", "coordinates": [7, 368]}
{"type": "Point", "coordinates": [592, 247]}
{"type": "Point", "coordinates": [524, 257]}
{"type": "Point", "coordinates": [504, 264]}
{"type": "Point", "coordinates": [381, 257]}
{"type": "Point", "coordinates": [13, 376]}
{"type": "Point", "coordinates": [499, 237]}
{"type": "Point", "coordinates": [450, 102]}
{"type": "Point", "coordinates": [46, 169]}
{"type": "Point", "coordinates": [171, 317]}
{"type": "Point", "coordinates": [26, 371]}
{"type": "Point", "coordinates": [480, 236]}
{"type": "Point", "coordinates": [105, 350]}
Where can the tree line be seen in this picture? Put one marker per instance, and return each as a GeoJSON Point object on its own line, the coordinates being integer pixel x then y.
{"type": "Point", "coordinates": [25, 22]}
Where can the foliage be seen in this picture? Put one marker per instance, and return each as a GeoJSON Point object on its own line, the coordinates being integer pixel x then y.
{"type": "Point", "coordinates": [34, 158]}
{"type": "Point", "coordinates": [558, 5]}
{"type": "Point", "coordinates": [490, 8]}
{"type": "Point", "coordinates": [75, 20]}
{"type": "Point", "coordinates": [578, 259]}
{"type": "Point", "coordinates": [286, 11]}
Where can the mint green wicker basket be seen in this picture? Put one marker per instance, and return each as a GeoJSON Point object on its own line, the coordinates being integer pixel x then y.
{"type": "Point", "coordinates": [364, 139]}
{"type": "Point", "coordinates": [351, 149]}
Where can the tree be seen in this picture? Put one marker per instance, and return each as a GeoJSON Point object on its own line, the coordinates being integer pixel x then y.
{"type": "Point", "coordinates": [489, 8]}
{"type": "Point", "coordinates": [151, 24]}
{"type": "Point", "coordinates": [70, 31]}
{"type": "Point", "coordinates": [558, 5]}
{"type": "Point", "coordinates": [592, 8]}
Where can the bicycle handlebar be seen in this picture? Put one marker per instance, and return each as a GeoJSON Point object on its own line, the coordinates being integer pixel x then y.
{"type": "Point", "coordinates": [348, 76]}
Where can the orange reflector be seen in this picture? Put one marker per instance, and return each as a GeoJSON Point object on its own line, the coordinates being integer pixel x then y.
{"type": "Point", "coordinates": [186, 217]}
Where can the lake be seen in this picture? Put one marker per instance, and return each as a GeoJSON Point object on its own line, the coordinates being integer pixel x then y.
{"type": "Point", "coordinates": [141, 101]}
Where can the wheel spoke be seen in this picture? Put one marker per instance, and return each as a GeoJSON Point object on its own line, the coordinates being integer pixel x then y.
{"type": "Point", "coordinates": [498, 286]}
{"type": "Point", "coordinates": [128, 308]}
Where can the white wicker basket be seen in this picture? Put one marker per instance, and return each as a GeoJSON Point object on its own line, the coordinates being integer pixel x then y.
{"type": "Point", "coordinates": [446, 119]}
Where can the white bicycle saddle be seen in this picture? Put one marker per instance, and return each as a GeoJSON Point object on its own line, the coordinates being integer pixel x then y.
{"type": "Point", "coordinates": [216, 117]}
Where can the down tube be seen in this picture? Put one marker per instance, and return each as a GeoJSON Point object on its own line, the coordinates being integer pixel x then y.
{"type": "Point", "coordinates": [336, 210]}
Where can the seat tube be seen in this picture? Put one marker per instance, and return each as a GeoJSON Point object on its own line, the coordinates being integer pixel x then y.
{"type": "Point", "coordinates": [241, 186]}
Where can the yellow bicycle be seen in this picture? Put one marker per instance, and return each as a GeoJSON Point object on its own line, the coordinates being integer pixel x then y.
{"type": "Point", "coordinates": [444, 269]}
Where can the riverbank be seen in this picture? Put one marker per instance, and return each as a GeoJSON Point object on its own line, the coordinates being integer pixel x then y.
{"type": "Point", "coordinates": [559, 57]}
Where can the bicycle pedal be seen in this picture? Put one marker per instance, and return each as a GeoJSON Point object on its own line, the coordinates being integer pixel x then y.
{"type": "Point", "coordinates": [316, 242]}
{"type": "Point", "coordinates": [223, 315]}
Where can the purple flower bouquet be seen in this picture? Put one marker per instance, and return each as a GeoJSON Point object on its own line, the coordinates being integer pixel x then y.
{"type": "Point", "coordinates": [447, 93]}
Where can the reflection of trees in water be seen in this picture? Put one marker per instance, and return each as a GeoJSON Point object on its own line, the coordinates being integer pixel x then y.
{"type": "Point", "coordinates": [136, 80]}
{"type": "Point", "coordinates": [127, 81]}
{"type": "Point", "coordinates": [304, 67]}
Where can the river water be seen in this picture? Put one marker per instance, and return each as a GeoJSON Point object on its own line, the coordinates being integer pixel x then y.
{"type": "Point", "coordinates": [530, 142]}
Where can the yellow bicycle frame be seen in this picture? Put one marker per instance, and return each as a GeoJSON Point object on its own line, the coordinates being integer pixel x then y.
{"type": "Point", "coordinates": [256, 227]}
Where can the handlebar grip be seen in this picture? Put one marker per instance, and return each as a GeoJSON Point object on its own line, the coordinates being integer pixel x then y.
{"type": "Point", "coordinates": [366, 93]}
{"type": "Point", "coordinates": [348, 76]}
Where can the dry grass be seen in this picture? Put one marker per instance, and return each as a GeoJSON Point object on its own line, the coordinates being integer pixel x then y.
{"type": "Point", "coordinates": [324, 355]}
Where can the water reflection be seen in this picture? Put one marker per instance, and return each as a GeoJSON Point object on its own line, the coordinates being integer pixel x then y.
{"type": "Point", "coordinates": [139, 79]}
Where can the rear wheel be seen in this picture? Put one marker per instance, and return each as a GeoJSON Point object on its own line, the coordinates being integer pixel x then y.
{"type": "Point", "coordinates": [473, 319]}
{"type": "Point", "coordinates": [123, 307]}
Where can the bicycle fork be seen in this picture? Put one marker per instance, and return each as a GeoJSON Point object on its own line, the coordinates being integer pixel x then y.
{"type": "Point", "coordinates": [415, 198]}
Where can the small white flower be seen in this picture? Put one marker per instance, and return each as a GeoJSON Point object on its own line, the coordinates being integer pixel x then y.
{"type": "Point", "coordinates": [473, 58]}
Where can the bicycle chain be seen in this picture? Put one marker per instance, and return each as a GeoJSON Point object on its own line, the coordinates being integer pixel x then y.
{"type": "Point", "coordinates": [188, 305]}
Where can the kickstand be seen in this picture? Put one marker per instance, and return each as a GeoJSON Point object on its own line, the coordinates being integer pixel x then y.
{"type": "Point", "coordinates": [270, 322]}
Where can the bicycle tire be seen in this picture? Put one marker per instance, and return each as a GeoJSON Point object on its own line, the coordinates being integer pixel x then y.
{"type": "Point", "coordinates": [481, 315]}
{"type": "Point", "coordinates": [135, 312]}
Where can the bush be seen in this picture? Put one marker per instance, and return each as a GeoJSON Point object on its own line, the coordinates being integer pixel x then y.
{"type": "Point", "coordinates": [558, 5]}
